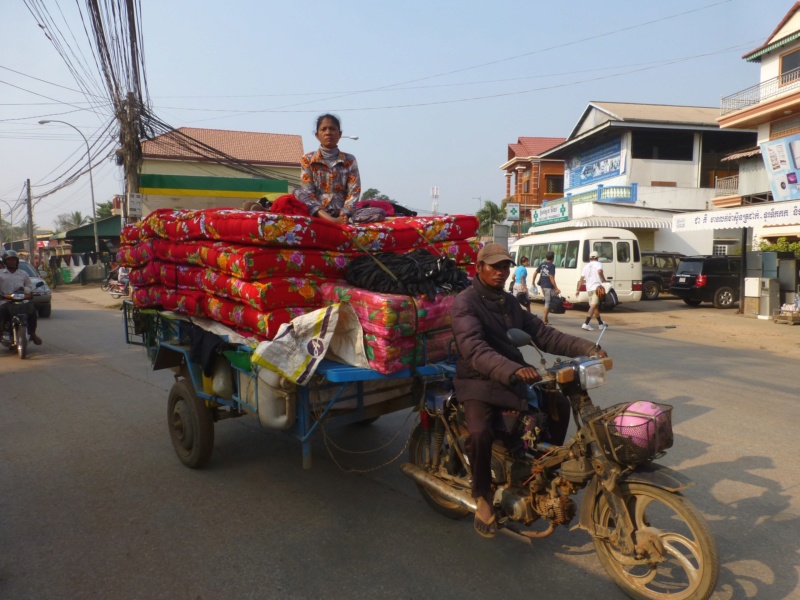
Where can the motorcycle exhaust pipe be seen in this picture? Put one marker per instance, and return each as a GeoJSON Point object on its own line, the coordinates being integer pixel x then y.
{"type": "Point", "coordinates": [438, 487]}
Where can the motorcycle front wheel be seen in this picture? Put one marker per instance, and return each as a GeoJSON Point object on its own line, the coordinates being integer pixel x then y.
{"type": "Point", "coordinates": [105, 286]}
{"type": "Point", "coordinates": [677, 554]}
{"type": "Point", "coordinates": [22, 340]}
{"type": "Point", "coordinates": [417, 455]}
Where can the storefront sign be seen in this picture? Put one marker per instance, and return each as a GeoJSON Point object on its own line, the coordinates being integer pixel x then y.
{"type": "Point", "coordinates": [754, 215]}
{"type": "Point", "coordinates": [512, 211]}
{"type": "Point", "coordinates": [554, 212]}
{"type": "Point", "coordinates": [782, 161]}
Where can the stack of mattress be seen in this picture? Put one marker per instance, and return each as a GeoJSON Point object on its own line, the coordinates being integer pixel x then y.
{"type": "Point", "coordinates": [255, 271]}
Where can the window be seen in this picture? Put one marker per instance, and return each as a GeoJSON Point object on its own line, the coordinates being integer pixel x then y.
{"type": "Point", "coordinates": [605, 251]}
{"type": "Point", "coordinates": [720, 250]}
{"type": "Point", "coordinates": [560, 251]}
{"type": "Point", "coordinates": [790, 63]}
{"type": "Point", "coordinates": [784, 127]}
{"type": "Point", "coordinates": [526, 186]}
{"type": "Point", "coordinates": [662, 145]}
{"type": "Point", "coordinates": [554, 184]}
{"type": "Point", "coordinates": [623, 252]}
{"type": "Point", "coordinates": [572, 254]}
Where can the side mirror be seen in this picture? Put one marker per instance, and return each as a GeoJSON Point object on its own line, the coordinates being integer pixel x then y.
{"type": "Point", "coordinates": [39, 284]}
{"type": "Point", "coordinates": [518, 337]}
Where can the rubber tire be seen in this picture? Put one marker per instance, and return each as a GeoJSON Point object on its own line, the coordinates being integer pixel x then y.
{"type": "Point", "coordinates": [22, 343]}
{"type": "Point", "coordinates": [650, 290]}
{"type": "Point", "coordinates": [692, 302]}
{"type": "Point", "coordinates": [695, 524]}
{"type": "Point", "coordinates": [115, 296]}
{"type": "Point", "coordinates": [105, 286]}
{"type": "Point", "coordinates": [436, 502]}
{"type": "Point", "coordinates": [44, 311]}
{"type": "Point", "coordinates": [191, 426]}
{"type": "Point", "coordinates": [724, 297]}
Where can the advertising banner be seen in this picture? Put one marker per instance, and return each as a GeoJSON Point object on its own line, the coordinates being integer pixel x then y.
{"type": "Point", "coordinates": [601, 162]}
{"type": "Point", "coordinates": [782, 161]}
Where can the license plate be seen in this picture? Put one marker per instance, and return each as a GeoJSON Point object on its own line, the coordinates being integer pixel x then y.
{"type": "Point", "coordinates": [681, 279]}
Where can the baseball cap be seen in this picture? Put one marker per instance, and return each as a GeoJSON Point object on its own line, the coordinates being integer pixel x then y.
{"type": "Point", "coordinates": [593, 255]}
{"type": "Point", "coordinates": [493, 253]}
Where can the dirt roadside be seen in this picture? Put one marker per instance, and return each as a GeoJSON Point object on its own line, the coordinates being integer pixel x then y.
{"type": "Point", "coordinates": [667, 316]}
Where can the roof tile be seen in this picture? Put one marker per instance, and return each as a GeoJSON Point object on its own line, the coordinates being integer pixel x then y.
{"type": "Point", "coordinates": [252, 147]}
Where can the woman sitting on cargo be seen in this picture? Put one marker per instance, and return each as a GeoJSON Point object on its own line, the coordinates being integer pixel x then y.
{"type": "Point", "coordinates": [330, 183]}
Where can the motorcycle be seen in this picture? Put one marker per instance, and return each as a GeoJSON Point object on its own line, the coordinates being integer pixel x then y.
{"type": "Point", "coordinates": [14, 335]}
{"type": "Point", "coordinates": [649, 538]}
{"type": "Point", "coordinates": [105, 285]}
{"type": "Point", "coordinates": [117, 289]}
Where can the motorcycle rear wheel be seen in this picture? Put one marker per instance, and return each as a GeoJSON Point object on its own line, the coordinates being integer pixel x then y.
{"type": "Point", "coordinates": [668, 521]}
{"type": "Point", "coordinates": [22, 341]}
{"type": "Point", "coordinates": [416, 451]}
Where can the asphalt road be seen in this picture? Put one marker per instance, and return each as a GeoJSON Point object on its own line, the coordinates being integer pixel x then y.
{"type": "Point", "coordinates": [94, 503]}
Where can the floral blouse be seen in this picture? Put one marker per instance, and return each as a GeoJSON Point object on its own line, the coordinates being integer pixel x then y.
{"type": "Point", "coordinates": [334, 189]}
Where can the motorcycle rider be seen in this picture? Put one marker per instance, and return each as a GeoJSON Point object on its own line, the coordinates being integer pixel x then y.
{"type": "Point", "coordinates": [11, 280]}
{"type": "Point", "coordinates": [481, 315]}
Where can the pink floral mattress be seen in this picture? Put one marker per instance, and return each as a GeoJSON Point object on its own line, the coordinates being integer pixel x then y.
{"type": "Point", "coordinates": [391, 316]}
{"type": "Point", "coordinates": [391, 356]}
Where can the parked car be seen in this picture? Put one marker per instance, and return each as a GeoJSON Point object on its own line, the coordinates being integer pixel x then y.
{"type": "Point", "coordinates": [657, 270]}
{"type": "Point", "coordinates": [707, 279]}
{"type": "Point", "coordinates": [41, 294]}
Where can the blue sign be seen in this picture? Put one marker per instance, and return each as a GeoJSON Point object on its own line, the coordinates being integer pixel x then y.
{"type": "Point", "coordinates": [601, 162]}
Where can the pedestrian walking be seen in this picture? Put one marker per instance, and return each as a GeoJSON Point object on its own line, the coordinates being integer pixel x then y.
{"type": "Point", "coordinates": [594, 278]}
{"type": "Point", "coordinates": [521, 283]}
{"type": "Point", "coordinates": [547, 281]}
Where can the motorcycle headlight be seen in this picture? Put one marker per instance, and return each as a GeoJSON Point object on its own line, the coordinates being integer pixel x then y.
{"type": "Point", "coordinates": [17, 296]}
{"type": "Point", "coordinates": [592, 374]}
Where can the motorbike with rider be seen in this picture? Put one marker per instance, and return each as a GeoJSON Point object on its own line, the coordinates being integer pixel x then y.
{"type": "Point", "coordinates": [13, 281]}
{"type": "Point", "coordinates": [496, 446]}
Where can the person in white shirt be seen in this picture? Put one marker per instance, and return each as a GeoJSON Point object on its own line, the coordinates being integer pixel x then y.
{"type": "Point", "coordinates": [593, 277]}
{"type": "Point", "coordinates": [11, 280]}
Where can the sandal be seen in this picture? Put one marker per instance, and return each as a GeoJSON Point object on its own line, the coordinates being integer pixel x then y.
{"type": "Point", "coordinates": [486, 529]}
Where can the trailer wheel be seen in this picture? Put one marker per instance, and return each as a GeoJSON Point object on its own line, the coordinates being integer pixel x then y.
{"type": "Point", "coordinates": [191, 426]}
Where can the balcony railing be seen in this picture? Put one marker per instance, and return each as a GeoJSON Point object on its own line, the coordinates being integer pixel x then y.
{"type": "Point", "coordinates": [726, 186]}
{"type": "Point", "coordinates": [624, 193]}
{"type": "Point", "coordinates": [765, 90]}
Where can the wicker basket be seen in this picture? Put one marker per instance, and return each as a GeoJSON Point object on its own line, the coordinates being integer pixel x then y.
{"type": "Point", "coordinates": [632, 437]}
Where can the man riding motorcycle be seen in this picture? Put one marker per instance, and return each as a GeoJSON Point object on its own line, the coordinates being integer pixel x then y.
{"type": "Point", "coordinates": [490, 370]}
{"type": "Point", "coordinates": [11, 280]}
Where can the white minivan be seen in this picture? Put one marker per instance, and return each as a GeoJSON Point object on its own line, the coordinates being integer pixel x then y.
{"type": "Point", "coordinates": [617, 249]}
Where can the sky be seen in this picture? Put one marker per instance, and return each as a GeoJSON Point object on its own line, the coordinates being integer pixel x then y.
{"type": "Point", "coordinates": [434, 89]}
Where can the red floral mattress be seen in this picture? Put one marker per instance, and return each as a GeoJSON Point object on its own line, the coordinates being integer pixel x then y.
{"type": "Point", "coordinates": [269, 229]}
{"type": "Point", "coordinates": [263, 325]}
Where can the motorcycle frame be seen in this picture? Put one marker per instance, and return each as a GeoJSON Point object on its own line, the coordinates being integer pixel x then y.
{"type": "Point", "coordinates": [606, 476]}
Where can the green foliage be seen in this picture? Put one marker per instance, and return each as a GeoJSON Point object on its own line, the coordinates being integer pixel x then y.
{"type": "Point", "coordinates": [67, 221]}
{"type": "Point", "coordinates": [103, 209]}
{"type": "Point", "coordinates": [782, 245]}
{"type": "Point", "coordinates": [490, 215]}
{"type": "Point", "coordinates": [375, 194]}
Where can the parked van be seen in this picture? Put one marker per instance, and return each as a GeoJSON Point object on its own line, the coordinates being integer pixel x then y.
{"type": "Point", "coordinates": [617, 249]}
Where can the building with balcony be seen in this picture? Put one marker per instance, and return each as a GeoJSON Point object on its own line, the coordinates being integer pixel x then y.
{"type": "Point", "coordinates": [636, 165]}
{"type": "Point", "coordinates": [531, 180]}
{"type": "Point", "coordinates": [769, 172]}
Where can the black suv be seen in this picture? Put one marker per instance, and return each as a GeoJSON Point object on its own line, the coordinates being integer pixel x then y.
{"type": "Point", "coordinates": [707, 279]}
{"type": "Point", "coordinates": [657, 269]}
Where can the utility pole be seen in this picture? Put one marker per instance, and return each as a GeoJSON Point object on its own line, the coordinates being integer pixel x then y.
{"type": "Point", "coordinates": [31, 240]}
{"type": "Point", "coordinates": [480, 201]}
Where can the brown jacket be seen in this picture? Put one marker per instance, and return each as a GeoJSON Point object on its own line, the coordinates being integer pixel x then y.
{"type": "Point", "coordinates": [481, 316]}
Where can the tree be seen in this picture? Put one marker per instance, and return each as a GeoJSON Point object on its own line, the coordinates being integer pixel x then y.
{"type": "Point", "coordinates": [67, 221]}
{"type": "Point", "coordinates": [489, 215]}
{"type": "Point", "coordinates": [103, 209]}
{"type": "Point", "coordinates": [375, 194]}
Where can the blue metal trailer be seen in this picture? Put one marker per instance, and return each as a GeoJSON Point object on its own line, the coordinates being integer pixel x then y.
{"type": "Point", "coordinates": [232, 386]}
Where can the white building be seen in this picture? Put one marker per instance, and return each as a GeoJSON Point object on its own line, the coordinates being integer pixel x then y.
{"type": "Point", "coordinates": [636, 165]}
